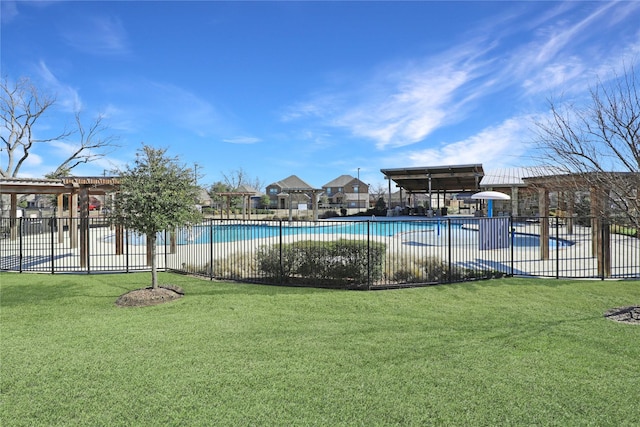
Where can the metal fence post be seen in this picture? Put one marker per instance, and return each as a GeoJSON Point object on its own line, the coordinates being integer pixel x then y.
{"type": "Point", "coordinates": [211, 249]}
{"type": "Point", "coordinates": [166, 260]}
{"type": "Point", "coordinates": [126, 249]}
{"type": "Point", "coordinates": [512, 230]}
{"type": "Point", "coordinates": [368, 255]}
{"type": "Point", "coordinates": [52, 221]}
{"type": "Point", "coordinates": [20, 247]}
{"type": "Point", "coordinates": [281, 265]}
{"type": "Point", "coordinates": [87, 243]}
{"type": "Point", "coordinates": [449, 249]}
{"type": "Point", "coordinates": [557, 219]}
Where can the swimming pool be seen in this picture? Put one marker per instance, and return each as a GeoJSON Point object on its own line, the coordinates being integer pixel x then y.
{"type": "Point", "coordinates": [417, 233]}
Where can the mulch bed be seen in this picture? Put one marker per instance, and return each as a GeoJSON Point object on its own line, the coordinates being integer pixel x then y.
{"type": "Point", "coordinates": [149, 296]}
{"type": "Point", "coordinates": [629, 314]}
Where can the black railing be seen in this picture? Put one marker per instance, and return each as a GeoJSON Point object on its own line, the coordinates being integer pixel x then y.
{"type": "Point", "coordinates": [360, 254]}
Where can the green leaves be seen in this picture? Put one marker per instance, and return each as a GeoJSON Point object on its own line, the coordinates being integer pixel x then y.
{"type": "Point", "coordinates": [156, 194]}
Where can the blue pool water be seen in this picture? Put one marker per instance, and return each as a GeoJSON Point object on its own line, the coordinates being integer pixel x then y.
{"type": "Point", "coordinates": [428, 233]}
{"type": "Point", "coordinates": [416, 233]}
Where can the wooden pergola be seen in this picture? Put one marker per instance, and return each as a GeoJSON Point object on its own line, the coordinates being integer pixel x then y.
{"type": "Point", "coordinates": [314, 199]}
{"type": "Point", "coordinates": [77, 188]}
{"type": "Point", "coordinates": [565, 185]}
{"type": "Point", "coordinates": [246, 200]}
{"type": "Point", "coordinates": [427, 179]}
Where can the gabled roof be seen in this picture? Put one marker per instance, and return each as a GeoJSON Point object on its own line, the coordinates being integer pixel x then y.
{"type": "Point", "coordinates": [292, 182]}
{"type": "Point", "coordinates": [246, 189]}
{"type": "Point", "coordinates": [340, 181]}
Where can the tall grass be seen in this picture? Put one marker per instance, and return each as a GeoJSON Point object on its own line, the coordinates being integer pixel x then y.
{"type": "Point", "coordinates": [501, 352]}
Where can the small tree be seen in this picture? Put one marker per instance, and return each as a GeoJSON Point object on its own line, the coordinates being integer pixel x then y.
{"type": "Point", "coordinates": [156, 194]}
{"type": "Point", "coordinates": [265, 201]}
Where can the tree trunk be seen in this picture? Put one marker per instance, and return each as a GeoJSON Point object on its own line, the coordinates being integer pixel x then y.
{"type": "Point", "coordinates": [151, 243]}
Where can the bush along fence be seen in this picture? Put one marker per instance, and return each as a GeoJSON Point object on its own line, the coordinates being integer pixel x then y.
{"type": "Point", "coordinates": [356, 254]}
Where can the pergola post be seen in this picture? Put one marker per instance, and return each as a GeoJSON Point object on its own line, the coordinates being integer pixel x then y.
{"type": "Point", "coordinates": [314, 205]}
{"type": "Point", "coordinates": [119, 239]}
{"type": "Point", "coordinates": [73, 220]}
{"type": "Point", "coordinates": [514, 202]}
{"type": "Point", "coordinates": [571, 203]}
{"type": "Point", "coordinates": [290, 207]}
{"type": "Point", "coordinates": [13, 217]}
{"type": "Point", "coordinates": [60, 223]}
{"type": "Point", "coordinates": [244, 207]}
{"type": "Point", "coordinates": [595, 212]}
{"type": "Point", "coordinates": [84, 227]}
{"type": "Point", "coordinates": [543, 203]}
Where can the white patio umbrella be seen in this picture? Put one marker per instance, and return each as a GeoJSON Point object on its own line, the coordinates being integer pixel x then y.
{"type": "Point", "coordinates": [490, 196]}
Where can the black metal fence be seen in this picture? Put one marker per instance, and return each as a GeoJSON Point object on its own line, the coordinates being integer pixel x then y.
{"type": "Point", "coordinates": [360, 254]}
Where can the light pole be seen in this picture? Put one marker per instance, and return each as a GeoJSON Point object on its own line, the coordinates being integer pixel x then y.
{"type": "Point", "coordinates": [358, 189]}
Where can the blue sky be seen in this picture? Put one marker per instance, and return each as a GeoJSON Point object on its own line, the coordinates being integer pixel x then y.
{"type": "Point", "coordinates": [316, 89]}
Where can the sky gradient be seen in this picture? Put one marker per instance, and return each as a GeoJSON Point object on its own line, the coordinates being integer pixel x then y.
{"type": "Point", "coordinates": [315, 89]}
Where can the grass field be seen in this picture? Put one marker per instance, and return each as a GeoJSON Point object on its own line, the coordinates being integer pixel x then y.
{"type": "Point", "coordinates": [501, 352]}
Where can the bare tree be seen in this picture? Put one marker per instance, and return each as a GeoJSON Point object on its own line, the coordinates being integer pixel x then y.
{"type": "Point", "coordinates": [378, 191]}
{"type": "Point", "coordinates": [239, 177]}
{"type": "Point", "coordinates": [22, 105]}
{"type": "Point", "coordinates": [597, 144]}
{"type": "Point", "coordinates": [94, 143]}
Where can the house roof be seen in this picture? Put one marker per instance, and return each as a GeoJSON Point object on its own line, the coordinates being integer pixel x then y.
{"type": "Point", "coordinates": [292, 182]}
{"type": "Point", "coordinates": [246, 189]}
{"type": "Point", "coordinates": [340, 181]}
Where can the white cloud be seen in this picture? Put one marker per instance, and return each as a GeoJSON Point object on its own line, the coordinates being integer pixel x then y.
{"type": "Point", "coordinates": [242, 140]}
{"type": "Point", "coordinates": [8, 11]}
{"type": "Point", "coordinates": [568, 54]}
{"type": "Point", "coordinates": [497, 145]}
{"type": "Point", "coordinates": [186, 109]}
{"type": "Point", "coordinates": [407, 110]}
{"type": "Point", "coordinates": [66, 96]}
{"type": "Point", "coordinates": [97, 35]}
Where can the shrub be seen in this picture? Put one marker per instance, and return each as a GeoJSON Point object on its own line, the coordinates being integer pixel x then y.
{"type": "Point", "coordinates": [329, 214]}
{"type": "Point", "coordinates": [341, 263]}
{"type": "Point", "coordinates": [432, 270]}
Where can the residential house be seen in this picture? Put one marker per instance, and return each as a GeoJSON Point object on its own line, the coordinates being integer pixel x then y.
{"type": "Point", "coordinates": [290, 192]}
{"type": "Point", "coordinates": [347, 192]}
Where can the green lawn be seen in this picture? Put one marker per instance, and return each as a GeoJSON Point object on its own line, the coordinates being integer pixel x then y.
{"type": "Point", "coordinates": [501, 352]}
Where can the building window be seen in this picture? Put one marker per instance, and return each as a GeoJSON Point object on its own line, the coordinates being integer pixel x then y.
{"type": "Point", "coordinates": [273, 191]}
{"type": "Point", "coordinates": [339, 189]}
{"type": "Point", "coordinates": [329, 191]}
{"type": "Point", "coordinates": [356, 188]}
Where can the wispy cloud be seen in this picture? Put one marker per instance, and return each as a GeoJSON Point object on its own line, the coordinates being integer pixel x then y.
{"type": "Point", "coordinates": [242, 140]}
{"type": "Point", "coordinates": [400, 104]}
{"type": "Point", "coordinates": [8, 11]}
{"type": "Point", "coordinates": [97, 35]}
{"type": "Point", "coordinates": [496, 145]}
{"type": "Point", "coordinates": [66, 96]}
{"type": "Point", "coordinates": [563, 53]}
{"type": "Point", "coordinates": [529, 55]}
{"type": "Point", "coordinates": [183, 107]}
